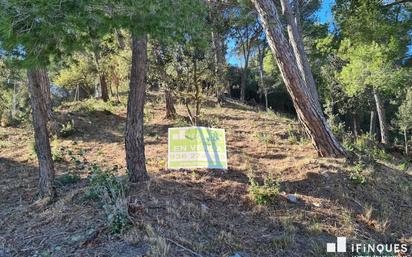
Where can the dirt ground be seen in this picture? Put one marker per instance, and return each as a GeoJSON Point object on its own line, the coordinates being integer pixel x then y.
{"type": "Point", "coordinates": [203, 212]}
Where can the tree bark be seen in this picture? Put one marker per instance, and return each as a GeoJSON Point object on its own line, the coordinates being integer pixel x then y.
{"type": "Point", "coordinates": [218, 46]}
{"type": "Point", "coordinates": [405, 134]}
{"type": "Point", "coordinates": [198, 97]}
{"type": "Point", "coordinates": [170, 107]}
{"type": "Point", "coordinates": [355, 125]}
{"type": "Point", "coordinates": [102, 77]}
{"type": "Point", "coordinates": [295, 39]}
{"type": "Point", "coordinates": [14, 102]}
{"type": "Point", "coordinates": [134, 139]}
{"type": "Point", "coordinates": [308, 111]}
{"type": "Point", "coordinates": [243, 85]}
{"type": "Point", "coordinates": [382, 118]}
{"type": "Point", "coordinates": [38, 81]}
{"type": "Point", "coordinates": [372, 124]}
{"type": "Point", "coordinates": [261, 57]}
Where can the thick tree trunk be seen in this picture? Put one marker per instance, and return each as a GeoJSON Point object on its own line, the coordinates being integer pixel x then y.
{"type": "Point", "coordinates": [134, 140]}
{"type": "Point", "coordinates": [307, 108]}
{"type": "Point", "coordinates": [38, 80]}
{"type": "Point", "coordinates": [103, 86]}
{"type": "Point", "coordinates": [295, 39]}
{"type": "Point", "coordinates": [102, 77]}
{"type": "Point", "coordinates": [382, 118]}
{"type": "Point", "coordinates": [170, 106]}
{"type": "Point", "coordinates": [266, 99]}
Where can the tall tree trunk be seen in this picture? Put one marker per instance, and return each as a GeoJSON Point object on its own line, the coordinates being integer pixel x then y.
{"type": "Point", "coordinates": [382, 118]}
{"type": "Point", "coordinates": [405, 135]}
{"type": "Point", "coordinates": [218, 46]}
{"type": "Point", "coordinates": [38, 80]}
{"type": "Point", "coordinates": [14, 102]}
{"type": "Point", "coordinates": [295, 39]}
{"type": "Point", "coordinates": [170, 107]}
{"type": "Point", "coordinates": [243, 85]}
{"type": "Point", "coordinates": [102, 77]}
{"type": "Point", "coordinates": [197, 93]}
{"type": "Point", "coordinates": [372, 124]}
{"type": "Point", "coordinates": [355, 125]}
{"type": "Point", "coordinates": [134, 140]}
{"type": "Point", "coordinates": [307, 108]}
{"type": "Point", "coordinates": [261, 56]}
{"type": "Point", "coordinates": [266, 99]}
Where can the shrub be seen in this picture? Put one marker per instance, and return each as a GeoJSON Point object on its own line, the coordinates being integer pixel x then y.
{"type": "Point", "coordinates": [263, 194]}
{"type": "Point", "coordinates": [110, 190]}
{"type": "Point", "coordinates": [67, 129]}
{"type": "Point", "coordinates": [68, 179]}
{"type": "Point", "coordinates": [366, 147]}
{"type": "Point", "coordinates": [90, 106]}
{"type": "Point", "coordinates": [356, 175]}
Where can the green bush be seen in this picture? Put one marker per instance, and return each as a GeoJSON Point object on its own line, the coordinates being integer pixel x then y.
{"type": "Point", "coordinates": [263, 194]}
{"type": "Point", "coordinates": [68, 179]}
{"type": "Point", "coordinates": [110, 190]}
{"type": "Point", "coordinates": [67, 129]}
{"type": "Point", "coordinates": [356, 176]}
{"type": "Point", "coordinates": [90, 106]}
{"type": "Point", "coordinates": [366, 147]}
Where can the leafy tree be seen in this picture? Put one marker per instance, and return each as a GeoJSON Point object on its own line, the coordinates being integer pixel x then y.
{"type": "Point", "coordinates": [163, 21]}
{"type": "Point", "coordinates": [404, 117]}
{"type": "Point", "coordinates": [79, 74]}
{"type": "Point", "coordinates": [245, 31]}
{"type": "Point", "coordinates": [36, 33]}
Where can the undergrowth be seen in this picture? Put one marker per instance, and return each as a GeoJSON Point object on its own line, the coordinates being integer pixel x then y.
{"type": "Point", "coordinates": [110, 190]}
{"type": "Point", "coordinates": [263, 194]}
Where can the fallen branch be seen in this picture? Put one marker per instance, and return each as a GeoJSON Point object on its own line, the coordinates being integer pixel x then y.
{"type": "Point", "coordinates": [184, 248]}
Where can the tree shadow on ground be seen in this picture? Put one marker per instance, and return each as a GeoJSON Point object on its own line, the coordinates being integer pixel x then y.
{"type": "Point", "coordinates": [208, 214]}
{"type": "Point", "coordinates": [382, 193]}
{"type": "Point", "coordinates": [212, 217]}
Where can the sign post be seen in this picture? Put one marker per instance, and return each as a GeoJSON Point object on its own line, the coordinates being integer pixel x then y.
{"type": "Point", "coordinates": [196, 147]}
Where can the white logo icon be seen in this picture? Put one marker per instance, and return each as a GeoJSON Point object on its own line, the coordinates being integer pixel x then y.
{"type": "Point", "coordinates": [339, 247]}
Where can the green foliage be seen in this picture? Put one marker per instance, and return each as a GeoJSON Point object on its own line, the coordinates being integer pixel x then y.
{"type": "Point", "coordinates": [355, 174]}
{"type": "Point", "coordinates": [368, 65]}
{"type": "Point", "coordinates": [404, 114]}
{"type": "Point", "coordinates": [40, 30]}
{"type": "Point", "coordinates": [366, 147]}
{"type": "Point", "coordinates": [67, 129]}
{"type": "Point", "coordinates": [110, 190]}
{"type": "Point", "coordinates": [57, 155]}
{"type": "Point", "coordinates": [404, 165]}
{"type": "Point", "coordinates": [68, 179]}
{"type": "Point", "coordinates": [14, 104]}
{"type": "Point", "coordinates": [81, 72]}
{"type": "Point", "coordinates": [265, 138]}
{"type": "Point", "coordinates": [90, 106]}
{"type": "Point", "coordinates": [263, 194]}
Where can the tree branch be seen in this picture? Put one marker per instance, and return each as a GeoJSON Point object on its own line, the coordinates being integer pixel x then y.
{"type": "Point", "coordinates": [396, 3]}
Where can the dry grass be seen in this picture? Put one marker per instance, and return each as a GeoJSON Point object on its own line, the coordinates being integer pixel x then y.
{"type": "Point", "coordinates": [198, 213]}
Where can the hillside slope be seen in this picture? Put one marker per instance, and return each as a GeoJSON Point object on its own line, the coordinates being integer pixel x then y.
{"type": "Point", "coordinates": [196, 213]}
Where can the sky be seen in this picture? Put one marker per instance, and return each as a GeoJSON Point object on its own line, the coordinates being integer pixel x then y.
{"type": "Point", "coordinates": [324, 15]}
